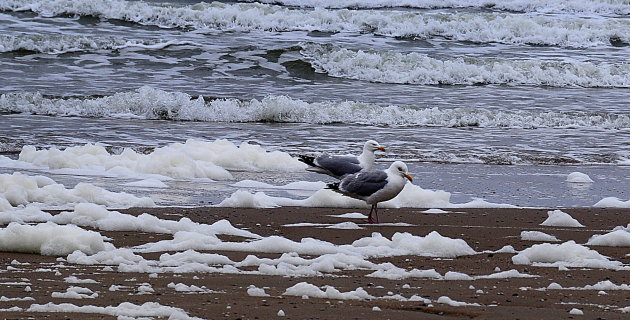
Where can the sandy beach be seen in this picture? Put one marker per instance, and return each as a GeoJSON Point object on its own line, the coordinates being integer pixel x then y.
{"type": "Point", "coordinates": [226, 295]}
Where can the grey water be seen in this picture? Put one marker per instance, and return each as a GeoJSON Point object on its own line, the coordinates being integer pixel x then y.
{"type": "Point", "coordinates": [520, 156]}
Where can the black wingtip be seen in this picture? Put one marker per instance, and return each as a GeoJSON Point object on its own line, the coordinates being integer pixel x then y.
{"type": "Point", "coordinates": [309, 160]}
{"type": "Point", "coordinates": [333, 186]}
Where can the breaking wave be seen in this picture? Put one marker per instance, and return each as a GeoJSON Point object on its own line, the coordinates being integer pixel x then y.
{"type": "Point", "coordinates": [616, 7]}
{"type": "Point", "coordinates": [416, 68]}
{"type": "Point", "coordinates": [152, 103]}
{"type": "Point", "coordinates": [58, 44]}
{"type": "Point", "coordinates": [492, 27]}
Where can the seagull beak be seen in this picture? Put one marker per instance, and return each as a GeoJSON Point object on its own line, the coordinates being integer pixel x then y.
{"type": "Point", "coordinates": [381, 148]}
{"type": "Point", "coordinates": [408, 176]}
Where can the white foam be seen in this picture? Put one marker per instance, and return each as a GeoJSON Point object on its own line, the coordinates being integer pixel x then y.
{"type": "Point", "coordinates": [125, 309]}
{"type": "Point", "coordinates": [180, 287]}
{"type": "Point", "coordinates": [578, 177]}
{"type": "Point", "coordinates": [453, 303]}
{"type": "Point", "coordinates": [618, 7]}
{"type": "Point", "coordinates": [417, 68]}
{"type": "Point", "coordinates": [506, 275]}
{"type": "Point", "coordinates": [458, 276]}
{"type": "Point", "coordinates": [145, 288]}
{"type": "Point", "coordinates": [431, 245]}
{"type": "Point", "coordinates": [59, 44]}
{"type": "Point", "coordinates": [388, 271]}
{"type": "Point", "coordinates": [310, 290]}
{"type": "Point", "coordinates": [434, 211]}
{"type": "Point", "coordinates": [567, 254]}
{"type": "Point", "coordinates": [22, 215]}
{"type": "Point", "coordinates": [152, 103]}
{"type": "Point", "coordinates": [75, 280]}
{"type": "Point", "coordinates": [50, 239]}
{"type": "Point", "coordinates": [254, 291]}
{"type": "Point", "coordinates": [76, 293]}
{"type": "Point", "coordinates": [559, 218]}
{"type": "Point", "coordinates": [6, 299]}
{"type": "Point", "coordinates": [612, 202]}
{"type": "Point", "coordinates": [412, 196]}
{"type": "Point", "coordinates": [351, 215]}
{"type": "Point", "coordinates": [391, 272]}
{"type": "Point", "coordinates": [617, 238]}
{"type": "Point", "coordinates": [602, 285]}
{"type": "Point", "coordinates": [110, 257]}
{"type": "Point", "coordinates": [95, 216]}
{"type": "Point", "coordinates": [18, 189]}
{"type": "Point", "coordinates": [477, 27]}
{"type": "Point", "coordinates": [537, 236]}
{"type": "Point", "coordinates": [345, 225]}
{"type": "Point", "coordinates": [298, 185]}
{"type": "Point", "coordinates": [192, 159]}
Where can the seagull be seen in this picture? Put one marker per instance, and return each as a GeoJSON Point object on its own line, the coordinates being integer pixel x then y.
{"type": "Point", "coordinates": [340, 166]}
{"type": "Point", "coordinates": [374, 186]}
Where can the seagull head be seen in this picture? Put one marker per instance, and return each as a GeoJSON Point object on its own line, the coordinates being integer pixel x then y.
{"type": "Point", "coordinates": [372, 145]}
{"type": "Point", "coordinates": [400, 168]}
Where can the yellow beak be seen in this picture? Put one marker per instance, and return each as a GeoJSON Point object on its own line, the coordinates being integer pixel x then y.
{"type": "Point", "coordinates": [408, 176]}
{"type": "Point", "coordinates": [382, 148]}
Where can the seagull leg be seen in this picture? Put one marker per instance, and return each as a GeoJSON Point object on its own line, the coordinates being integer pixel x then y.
{"type": "Point", "coordinates": [376, 211]}
{"type": "Point", "coordinates": [370, 220]}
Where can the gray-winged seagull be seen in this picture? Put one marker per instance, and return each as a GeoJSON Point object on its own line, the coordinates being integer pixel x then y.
{"type": "Point", "coordinates": [339, 166]}
{"type": "Point", "coordinates": [374, 186]}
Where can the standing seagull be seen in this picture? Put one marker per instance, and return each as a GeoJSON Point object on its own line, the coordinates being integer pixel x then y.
{"type": "Point", "coordinates": [374, 186]}
{"type": "Point", "coordinates": [339, 166]}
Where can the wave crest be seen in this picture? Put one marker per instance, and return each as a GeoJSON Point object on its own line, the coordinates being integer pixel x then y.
{"type": "Point", "coordinates": [151, 103]}
{"type": "Point", "coordinates": [416, 68]}
{"type": "Point", "coordinates": [59, 44]}
{"type": "Point", "coordinates": [478, 27]}
{"type": "Point", "coordinates": [617, 7]}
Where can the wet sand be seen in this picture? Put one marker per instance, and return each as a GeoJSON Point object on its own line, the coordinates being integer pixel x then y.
{"type": "Point", "coordinates": [482, 229]}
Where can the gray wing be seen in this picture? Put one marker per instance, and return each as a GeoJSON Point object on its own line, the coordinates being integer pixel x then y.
{"type": "Point", "coordinates": [364, 184]}
{"type": "Point", "coordinates": [339, 165]}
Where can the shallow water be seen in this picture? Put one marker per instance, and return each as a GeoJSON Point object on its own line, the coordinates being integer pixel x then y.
{"type": "Point", "coordinates": [496, 103]}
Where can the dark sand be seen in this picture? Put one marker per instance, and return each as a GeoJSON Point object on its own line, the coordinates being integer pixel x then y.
{"type": "Point", "coordinates": [482, 229]}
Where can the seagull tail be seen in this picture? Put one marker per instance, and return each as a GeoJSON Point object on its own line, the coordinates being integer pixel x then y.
{"type": "Point", "coordinates": [333, 186]}
{"type": "Point", "coordinates": [309, 160]}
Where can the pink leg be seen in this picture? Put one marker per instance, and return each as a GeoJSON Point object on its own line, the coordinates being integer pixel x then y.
{"type": "Point", "coordinates": [370, 220]}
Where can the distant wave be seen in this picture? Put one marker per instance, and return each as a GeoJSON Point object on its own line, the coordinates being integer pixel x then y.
{"type": "Point", "coordinates": [565, 31]}
{"type": "Point", "coordinates": [151, 103]}
{"type": "Point", "coordinates": [416, 68]}
{"type": "Point", "coordinates": [617, 7]}
{"type": "Point", "coordinates": [58, 44]}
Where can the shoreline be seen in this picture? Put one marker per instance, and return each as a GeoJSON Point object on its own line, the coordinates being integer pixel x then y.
{"type": "Point", "coordinates": [484, 230]}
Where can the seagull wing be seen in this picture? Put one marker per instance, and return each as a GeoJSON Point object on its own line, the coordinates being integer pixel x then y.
{"type": "Point", "coordinates": [338, 165]}
{"type": "Point", "coordinates": [364, 184]}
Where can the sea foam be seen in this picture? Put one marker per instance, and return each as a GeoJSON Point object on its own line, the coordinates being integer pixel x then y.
{"type": "Point", "coordinates": [50, 239]}
{"type": "Point", "coordinates": [617, 7]}
{"type": "Point", "coordinates": [151, 103]}
{"type": "Point", "coordinates": [58, 44]}
{"type": "Point", "coordinates": [18, 189]}
{"type": "Point", "coordinates": [416, 68]}
{"type": "Point", "coordinates": [482, 27]}
{"type": "Point", "coordinates": [192, 159]}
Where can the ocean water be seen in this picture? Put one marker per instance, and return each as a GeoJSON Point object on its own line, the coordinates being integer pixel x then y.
{"type": "Point", "coordinates": [497, 100]}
